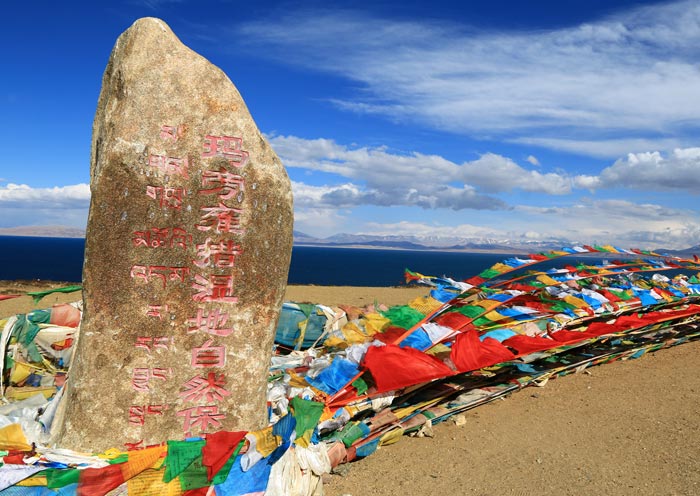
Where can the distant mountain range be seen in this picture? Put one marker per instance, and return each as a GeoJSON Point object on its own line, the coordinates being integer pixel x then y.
{"type": "Point", "coordinates": [345, 240]}
{"type": "Point", "coordinates": [44, 231]}
{"type": "Point", "coordinates": [472, 245]}
{"type": "Point", "coordinates": [693, 250]}
{"type": "Point", "coordinates": [427, 243]}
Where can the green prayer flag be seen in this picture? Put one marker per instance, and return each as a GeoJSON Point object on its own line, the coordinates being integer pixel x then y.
{"type": "Point", "coordinates": [38, 295]}
{"type": "Point", "coordinates": [39, 316]}
{"type": "Point", "coordinates": [306, 413]}
{"type": "Point", "coordinates": [471, 311]}
{"type": "Point", "coordinates": [360, 385]}
{"type": "Point", "coordinates": [482, 322]}
{"type": "Point", "coordinates": [222, 474]}
{"type": "Point", "coordinates": [123, 458]}
{"type": "Point", "coordinates": [57, 478]}
{"type": "Point", "coordinates": [195, 475]}
{"type": "Point", "coordinates": [403, 316]}
{"type": "Point", "coordinates": [306, 308]}
{"type": "Point", "coordinates": [180, 455]}
{"type": "Point", "coordinates": [489, 273]}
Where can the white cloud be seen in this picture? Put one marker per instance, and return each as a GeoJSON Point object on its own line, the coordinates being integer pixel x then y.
{"type": "Point", "coordinates": [679, 171]}
{"type": "Point", "coordinates": [590, 183]}
{"type": "Point", "coordinates": [318, 221]}
{"type": "Point", "coordinates": [603, 148]}
{"type": "Point", "coordinates": [358, 178]}
{"type": "Point", "coordinates": [495, 173]}
{"type": "Point", "coordinates": [374, 176]}
{"type": "Point", "coordinates": [351, 195]}
{"type": "Point", "coordinates": [635, 73]}
{"type": "Point", "coordinates": [23, 205]}
{"type": "Point", "coordinates": [533, 160]}
{"type": "Point", "coordinates": [58, 197]}
{"type": "Point", "coordinates": [406, 228]}
{"type": "Point", "coordinates": [622, 223]}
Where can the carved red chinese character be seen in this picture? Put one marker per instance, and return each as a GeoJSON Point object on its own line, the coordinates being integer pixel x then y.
{"type": "Point", "coordinates": [178, 273]}
{"type": "Point", "coordinates": [222, 182]}
{"type": "Point", "coordinates": [211, 388]}
{"type": "Point", "coordinates": [201, 417]}
{"type": "Point", "coordinates": [167, 197]}
{"type": "Point", "coordinates": [208, 356]}
{"type": "Point", "coordinates": [223, 253]}
{"type": "Point", "coordinates": [156, 409]}
{"type": "Point", "coordinates": [211, 323]}
{"type": "Point", "coordinates": [172, 133]}
{"type": "Point", "coordinates": [218, 288]}
{"type": "Point", "coordinates": [147, 273]}
{"type": "Point", "coordinates": [158, 271]}
{"type": "Point", "coordinates": [137, 415]}
{"type": "Point", "coordinates": [139, 445]}
{"type": "Point", "coordinates": [180, 238]}
{"type": "Point", "coordinates": [141, 377]}
{"type": "Point", "coordinates": [222, 218]}
{"type": "Point", "coordinates": [156, 237]}
{"type": "Point", "coordinates": [228, 147]}
{"type": "Point", "coordinates": [169, 165]}
{"type": "Point", "coordinates": [139, 271]}
{"type": "Point", "coordinates": [157, 311]}
{"type": "Point", "coordinates": [163, 342]}
{"type": "Point", "coordinates": [147, 342]}
{"type": "Point", "coordinates": [144, 342]}
{"type": "Point", "coordinates": [134, 446]}
{"type": "Point", "coordinates": [140, 238]}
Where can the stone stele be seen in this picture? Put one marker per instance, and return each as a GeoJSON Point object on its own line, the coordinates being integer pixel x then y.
{"type": "Point", "coordinates": [187, 253]}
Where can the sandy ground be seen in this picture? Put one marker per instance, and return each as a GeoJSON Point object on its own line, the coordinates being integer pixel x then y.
{"type": "Point", "coordinates": [626, 428]}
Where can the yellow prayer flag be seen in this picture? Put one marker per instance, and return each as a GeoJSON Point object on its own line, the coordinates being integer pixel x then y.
{"type": "Point", "coordinates": [140, 460]}
{"type": "Point", "coordinates": [425, 304]}
{"type": "Point", "coordinates": [546, 280]}
{"type": "Point", "coordinates": [375, 322]}
{"type": "Point", "coordinates": [12, 438]}
{"type": "Point", "coordinates": [392, 436]}
{"type": "Point", "coordinates": [150, 483]}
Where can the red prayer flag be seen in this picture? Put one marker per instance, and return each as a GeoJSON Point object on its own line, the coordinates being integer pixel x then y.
{"type": "Point", "coordinates": [453, 320]}
{"type": "Point", "coordinates": [470, 353]}
{"type": "Point", "coordinates": [219, 448]}
{"type": "Point", "coordinates": [528, 344]}
{"type": "Point", "coordinates": [200, 491]}
{"type": "Point", "coordinates": [564, 336]}
{"type": "Point", "coordinates": [601, 328]}
{"type": "Point", "coordinates": [99, 481]}
{"type": "Point", "coordinates": [390, 335]}
{"type": "Point", "coordinates": [475, 281]}
{"type": "Point", "coordinates": [393, 367]}
{"type": "Point", "coordinates": [14, 459]}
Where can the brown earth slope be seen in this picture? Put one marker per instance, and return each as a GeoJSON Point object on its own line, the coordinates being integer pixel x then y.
{"type": "Point", "coordinates": [626, 428]}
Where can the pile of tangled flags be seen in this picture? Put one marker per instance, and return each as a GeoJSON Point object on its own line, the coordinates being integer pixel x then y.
{"type": "Point", "coordinates": [344, 381]}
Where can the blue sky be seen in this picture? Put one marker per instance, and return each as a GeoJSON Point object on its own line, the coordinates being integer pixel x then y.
{"type": "Point", "coordinates": [574, 121]}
